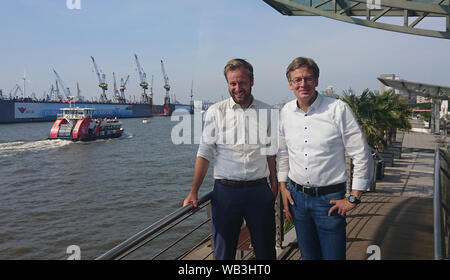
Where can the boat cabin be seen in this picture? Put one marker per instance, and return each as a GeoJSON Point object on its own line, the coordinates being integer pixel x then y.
{"type": "Point", "coordinates": [76, 113]}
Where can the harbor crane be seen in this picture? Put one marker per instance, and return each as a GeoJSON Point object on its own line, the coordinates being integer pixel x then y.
{"type": "Point", "coordinates": [58, 95]}
{"type": "Point", "coordinates": [79, 96]}
{"type": "Point", "coordinates": [102, 82]}
{"type": "Point", "coordinates": [151, 88]}
{"type": "Point", "coordinates": [143, 78]}
{"type": "Point", "coordinates": [24, 83]}
{"type": "Point", "coordinates": [122, 88]}
{"type": "Point", "coordinates": [192, 95]}
{"type": "Point", "coordinates": [65, 89]}
{"type": "Point", "coordinates": [13, 92]}
{"type": "Point", "coordinates": [166, 84]}
{"type": "Point", "coordinates": [116, 91]}
{"type": "Point", "coordinates": [50, 95]}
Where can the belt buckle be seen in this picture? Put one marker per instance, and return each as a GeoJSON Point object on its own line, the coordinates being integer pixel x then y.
{"type": "Point", "coordinates": [310, 191]}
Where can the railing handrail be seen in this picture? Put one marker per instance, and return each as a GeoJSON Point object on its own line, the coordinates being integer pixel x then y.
{"type": "Point", "coordinates": [437, 208]}
{"type": "Point", "coordinates": [141, 238]}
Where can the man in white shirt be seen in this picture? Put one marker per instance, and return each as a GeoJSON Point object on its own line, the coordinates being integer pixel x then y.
{"type": "Point", "coordinates": [242, 164]}
{"type": "Point", "coordinates": [315, 133]}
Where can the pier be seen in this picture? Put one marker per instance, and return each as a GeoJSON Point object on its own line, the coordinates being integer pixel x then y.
{"type": "Point", "coordinates": [400, 218]}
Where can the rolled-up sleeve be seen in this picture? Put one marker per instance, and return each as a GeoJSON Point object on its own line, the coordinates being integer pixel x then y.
{"type": "Point", "coordinates": [282, 156]}
{"type": "Point", "coordinates": [357, 148]}
{"type": "Point", "coordinates": [207, 146]}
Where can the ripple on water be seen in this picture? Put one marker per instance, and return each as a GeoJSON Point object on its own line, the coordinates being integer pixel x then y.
{"type": "Point", "coordinates": [95, 195]}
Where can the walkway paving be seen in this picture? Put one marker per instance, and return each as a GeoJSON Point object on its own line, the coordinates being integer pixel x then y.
{"type": "Point", "coordinates": [398, 217]}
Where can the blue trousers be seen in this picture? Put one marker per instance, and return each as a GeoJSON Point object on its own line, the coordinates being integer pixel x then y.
{"type": "Point", "coordinates": [229, 206]}
{"type": "Point", "coordinates": [319, 236]}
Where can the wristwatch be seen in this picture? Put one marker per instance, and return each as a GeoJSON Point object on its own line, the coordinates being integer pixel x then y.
{"type": "Point", "coordinates": [353, 199]}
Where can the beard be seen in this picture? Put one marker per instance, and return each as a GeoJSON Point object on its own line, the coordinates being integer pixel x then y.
{"type": "Point", "coordinates": [243, 97]}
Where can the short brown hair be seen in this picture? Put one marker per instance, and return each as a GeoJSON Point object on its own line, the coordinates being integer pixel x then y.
{"type": "Point", "coordinates": [300, 62]}
{"type": "Point", "coordinates": [238, 63]}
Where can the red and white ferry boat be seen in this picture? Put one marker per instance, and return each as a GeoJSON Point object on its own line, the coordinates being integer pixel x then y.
{"type": "Point", "coordinates": [77, 124]}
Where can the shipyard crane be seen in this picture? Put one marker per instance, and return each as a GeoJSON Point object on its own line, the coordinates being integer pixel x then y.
{"type": "Point", "coordinates": [151, 89]}
{"type": "Point", "coordinates": [24, 82]}
{"type": "Point", "coordinates": [58, 95]}
{"type": "Point", "coordinates": [50, 94]}
{"type": "Point", "coordinates": [192, 94]}
{"type": "Point", "coordinates": [79, 96]}
{"type": "Point", "coordinates": [65, 89]}
{"type": "Point", "coordinates": [122, 88]}
{"type": "Point", "coordinates": [13, 92]}
{"type": "Point", "coordinates": [166, 84]}
{"type": "Point", "coordinates": [102, 81]}
{"type": "Point", "coordinates": [116, 91]}
{"type": "Point", "coordinates": [143, 78]}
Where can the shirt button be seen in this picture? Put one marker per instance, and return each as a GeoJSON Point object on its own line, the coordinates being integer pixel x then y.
{"type": "Point", "coordinates": [306, 155]}
{"type": "Point", "coordinates": [306, 141]}
{"type": "Point", "coordinates": [306, 115]}
{"type": "Point", "coordinates": [306, 127]}
{"type": "Point", "coordinates": [306, 168]}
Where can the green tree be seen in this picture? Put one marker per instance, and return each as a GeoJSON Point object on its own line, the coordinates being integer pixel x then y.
{"type": "Point", "coordinates": [379, 115]}
{"type": "Point", "coordinates": [397, 115]}
{"type": "Point", "coordinates": [365, 112]}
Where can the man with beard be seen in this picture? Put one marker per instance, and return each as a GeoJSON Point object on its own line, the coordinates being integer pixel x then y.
{"type": "Point", "coordinates": [241, 168]}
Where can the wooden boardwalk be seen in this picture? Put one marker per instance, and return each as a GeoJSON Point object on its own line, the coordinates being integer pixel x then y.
{"type": "Point", "coordinates": [401, 227]}
{"type": "Point", "coordinates": [394, 222]}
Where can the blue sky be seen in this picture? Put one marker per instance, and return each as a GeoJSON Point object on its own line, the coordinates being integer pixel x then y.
{"type": "Point", "coordinates": [195, 39]}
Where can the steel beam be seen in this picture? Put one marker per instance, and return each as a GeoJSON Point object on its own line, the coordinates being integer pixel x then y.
{"type": "Point", "coordinates": [350, 11]}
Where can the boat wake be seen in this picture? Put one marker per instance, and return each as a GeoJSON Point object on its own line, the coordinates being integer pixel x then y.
{"type": "Point", "coordinates": [126, 135]}
{"type": "Point", "coordinates": [19, 147]}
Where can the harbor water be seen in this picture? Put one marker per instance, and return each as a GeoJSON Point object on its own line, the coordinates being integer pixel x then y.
{"type": "Point", "coordinates": [57, 193]}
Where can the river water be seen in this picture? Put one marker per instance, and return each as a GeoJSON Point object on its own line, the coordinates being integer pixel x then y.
{"type": "Point", "coordinates": [57, 193]}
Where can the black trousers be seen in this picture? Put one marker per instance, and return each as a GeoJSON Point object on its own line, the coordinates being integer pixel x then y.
{"type": "Point", "coordinates": [229, 206]}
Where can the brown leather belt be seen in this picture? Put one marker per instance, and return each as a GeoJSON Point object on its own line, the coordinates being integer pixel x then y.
{"type": "Point", "coordinates": [233, 183]}
{"type": "Point", "coordinates": [318, 191]}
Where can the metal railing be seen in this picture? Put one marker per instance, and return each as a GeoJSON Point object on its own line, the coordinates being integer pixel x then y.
{"type": "Point", "coordinates": [167, 223]}
{"type": "Point", "coordinates": [158, 228]}
{"type": "Point", "coordinates": [441, 205]}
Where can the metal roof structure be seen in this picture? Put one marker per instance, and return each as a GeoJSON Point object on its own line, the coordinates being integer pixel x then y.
{"type": "Point", "coordinates": [415, 88]}
{"type": "Point", "coordinates": [435, 92]}
{"type": "Point", "coordinates": [370, 12]}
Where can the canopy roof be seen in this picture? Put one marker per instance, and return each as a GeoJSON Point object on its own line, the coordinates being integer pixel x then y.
{"type": "Point", "coordinates": [415, 88]}
{"type": "Point", "coordinates": [371, 13]}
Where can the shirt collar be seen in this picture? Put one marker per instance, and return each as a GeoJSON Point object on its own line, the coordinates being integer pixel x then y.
{"type": "Point", "coordinates": [314, 106]}
{"type": "Point", "coordinates": [234, 105]}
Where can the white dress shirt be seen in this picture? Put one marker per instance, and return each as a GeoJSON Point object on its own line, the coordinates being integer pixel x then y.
{"type": "Point", "coordinates": [232, 137]}
{"type": "Point", "coordinates": [313, 145]}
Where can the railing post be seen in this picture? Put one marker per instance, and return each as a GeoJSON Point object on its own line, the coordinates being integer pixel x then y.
{"type": "Point", "coordinates": [208, 212]}
{"type": "Point", "coordinates": [445, 201]}
{"type": "Point", "coordinates": [438, 249]}
{"type": "Point", "coordinates": [373, 183]}
{"type": "Point", "coordinates": [349, 166]}
{"type": "Point", "coordinates": [279, 221]}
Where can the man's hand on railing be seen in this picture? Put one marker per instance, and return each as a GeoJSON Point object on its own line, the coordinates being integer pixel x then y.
{"type": "Point", "coordinates": [192, 198]}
